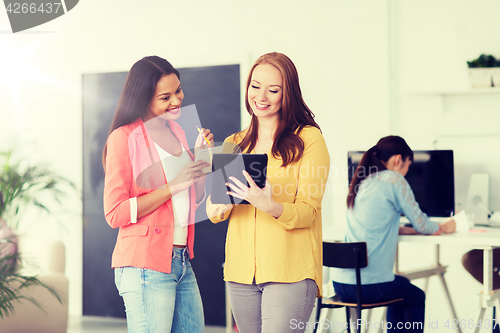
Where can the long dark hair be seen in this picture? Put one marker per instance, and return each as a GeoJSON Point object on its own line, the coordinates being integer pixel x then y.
{"type": "Point", "coordinates": [139, 88]}
{"type": "Point", "coordinates": [371, 162]}
{"type": "Point", "coordinates": [293, 116]}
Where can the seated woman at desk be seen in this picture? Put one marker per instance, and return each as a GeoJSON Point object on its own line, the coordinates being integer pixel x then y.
{"type": "Point", "coordinates": [378, 194]}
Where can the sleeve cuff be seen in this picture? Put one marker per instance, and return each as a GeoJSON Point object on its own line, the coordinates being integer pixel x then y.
{"type": "Point", "coordinates": [286, 215]}
{"type": "Point", "coordinates": [133, 210]}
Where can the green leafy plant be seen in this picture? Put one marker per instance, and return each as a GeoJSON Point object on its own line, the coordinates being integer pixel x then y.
{"type": "Point", "coordinates": [13, 282]}
{"type": "Point", "coordinates": [22, 187]}
{"type": "Point", "coordinates": [28, 186]}
{"type": "Point", "coordinates": [484, 60]}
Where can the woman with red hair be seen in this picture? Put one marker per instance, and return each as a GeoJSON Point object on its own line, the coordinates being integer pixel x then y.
{"type": "Point", "coordinates": [274, 257]}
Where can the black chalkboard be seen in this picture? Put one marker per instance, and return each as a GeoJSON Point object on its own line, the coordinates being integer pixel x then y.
{"type": "Point", "coordinates": [215, 91]}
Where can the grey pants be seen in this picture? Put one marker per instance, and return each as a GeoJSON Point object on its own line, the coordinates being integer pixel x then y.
{"type": "Point", "coordinates": [272, 307]}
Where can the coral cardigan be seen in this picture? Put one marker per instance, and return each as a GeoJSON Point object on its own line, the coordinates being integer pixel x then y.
{"type": "Point", "coordinates": [289, 248]}
{"type": "Point", "coordinates": [134, 168]}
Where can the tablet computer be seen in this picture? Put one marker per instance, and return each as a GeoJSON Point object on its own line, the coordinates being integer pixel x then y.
{"type": "Point", "coordinates": [227, 165]}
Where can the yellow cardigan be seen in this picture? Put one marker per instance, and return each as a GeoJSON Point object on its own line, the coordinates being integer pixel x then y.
{"type": "Point", "coordinates": [289, 248]}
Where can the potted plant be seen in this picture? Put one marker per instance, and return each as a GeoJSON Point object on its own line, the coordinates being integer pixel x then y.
{"type": "Point", "coordinates": [13, 282]}
{"type": "Point", "coordinates": [22, 187]}
{"type": "Point", "coordinates": [484, 71]}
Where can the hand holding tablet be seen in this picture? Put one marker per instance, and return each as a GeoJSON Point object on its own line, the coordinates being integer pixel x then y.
{"type": "Point", "coordinates": [232, 165]}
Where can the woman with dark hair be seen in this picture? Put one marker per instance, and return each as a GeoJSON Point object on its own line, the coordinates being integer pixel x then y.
{"type": "Point", "coordinates": [378, 195]}
{"type": "Point", "coordinates": [274, 244]}
{"type": "Point", "coordinates": [152, 189]}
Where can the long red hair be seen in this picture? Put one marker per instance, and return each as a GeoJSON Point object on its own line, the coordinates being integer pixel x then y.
{"type": "Point", "coordinates": [293, 116]}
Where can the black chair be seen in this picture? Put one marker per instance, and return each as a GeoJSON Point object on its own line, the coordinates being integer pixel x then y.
{"type": "Point", "coordinates": [347, 255]}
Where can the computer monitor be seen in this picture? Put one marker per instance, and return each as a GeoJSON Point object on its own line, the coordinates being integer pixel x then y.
{"type": "Point", "coordinates": [430, 176]}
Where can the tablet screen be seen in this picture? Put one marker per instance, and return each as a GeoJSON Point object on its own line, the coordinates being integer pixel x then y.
{"type": "Point", "coordinates": [227, 165]}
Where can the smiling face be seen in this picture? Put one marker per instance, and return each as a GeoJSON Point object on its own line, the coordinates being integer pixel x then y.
{"type": "Point", "coordinates": [167, 99]}
{"type": "Point", "coordinates": [265, 92]}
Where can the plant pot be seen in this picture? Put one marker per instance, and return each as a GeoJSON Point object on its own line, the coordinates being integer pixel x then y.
{"type": "Point", "coordinates": [481, 77]}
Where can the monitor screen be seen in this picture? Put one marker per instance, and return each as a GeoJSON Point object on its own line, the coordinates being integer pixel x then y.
{"type": "Point", "coordinates": [430, 176]}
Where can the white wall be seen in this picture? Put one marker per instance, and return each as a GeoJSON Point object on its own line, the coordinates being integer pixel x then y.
{"type": "Point", "coordinates": [341, 50]}
{"type": "Point", "coordinates": [434, 41]}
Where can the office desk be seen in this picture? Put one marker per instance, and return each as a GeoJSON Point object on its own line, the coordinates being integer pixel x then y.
{"type": "Point", "coordinates": [485, 241]}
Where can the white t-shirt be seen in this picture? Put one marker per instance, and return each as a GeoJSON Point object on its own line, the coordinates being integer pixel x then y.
{"type": "Point", "coordinates": [180, 201]}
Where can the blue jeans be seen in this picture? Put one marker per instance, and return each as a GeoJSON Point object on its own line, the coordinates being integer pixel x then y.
{"type": "Point", "coordinates": [158, 302]}
{"type": "Point", "coordinates": [411, 310]}
{"type": "Point", "coordinates": [272, 307]}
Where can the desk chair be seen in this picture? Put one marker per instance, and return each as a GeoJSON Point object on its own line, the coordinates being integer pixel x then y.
{"type": "Point", "coordinates": [347, 255]}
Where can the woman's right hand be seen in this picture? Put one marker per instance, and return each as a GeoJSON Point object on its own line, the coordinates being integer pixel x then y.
{"type": "Point", "coordinates": [201, 143]}
{"type": "Point", "coordinates": [187, 175]}
{"type": "Point", "coordinates": [448, 227]}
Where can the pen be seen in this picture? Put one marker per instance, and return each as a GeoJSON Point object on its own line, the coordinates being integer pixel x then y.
{"type": "Point", "coordinates": [204, 137]}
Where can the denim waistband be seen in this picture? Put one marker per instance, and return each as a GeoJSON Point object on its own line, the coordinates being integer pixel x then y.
{"type": "Point", "coordinates": [180, 253]}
